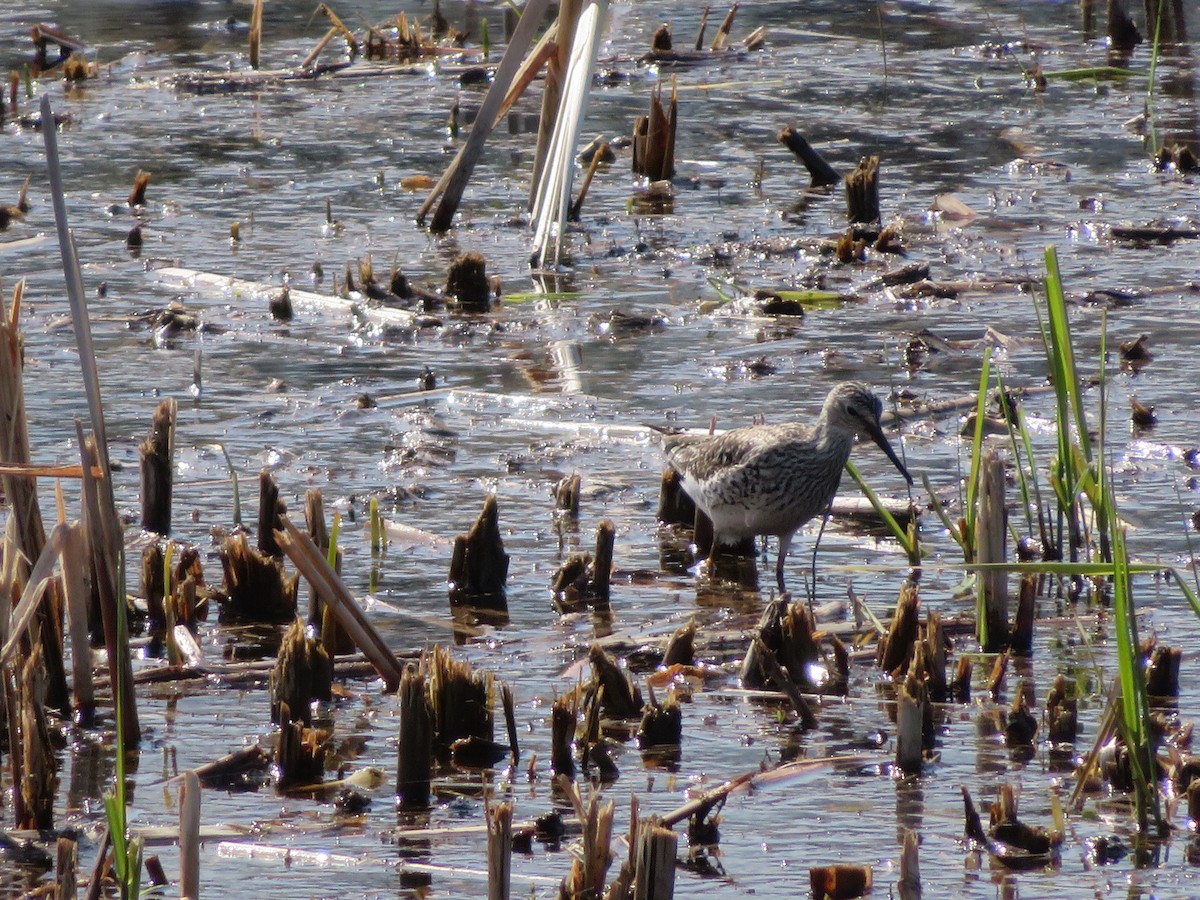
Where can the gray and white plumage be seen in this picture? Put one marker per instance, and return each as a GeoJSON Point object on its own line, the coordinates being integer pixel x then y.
{"type": "Point", "coordinates": [771, 479]}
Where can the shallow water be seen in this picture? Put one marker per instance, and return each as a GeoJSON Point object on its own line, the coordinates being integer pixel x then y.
{"type": "Point", "coordinates": [951, 115]}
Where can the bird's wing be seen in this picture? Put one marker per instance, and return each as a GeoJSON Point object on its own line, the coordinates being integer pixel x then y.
{"type": "Point", "coordinates": [704, 457]}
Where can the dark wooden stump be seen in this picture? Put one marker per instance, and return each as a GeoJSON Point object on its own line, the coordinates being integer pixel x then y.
{"type": "Point", "coordinates": [862, 192]}
{"type": "Point", "coordinates": [157, 476]}
{"type": "Point", "coordinates": [820, 173]}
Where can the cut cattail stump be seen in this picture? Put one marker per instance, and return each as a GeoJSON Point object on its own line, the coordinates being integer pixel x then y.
{"type": "Point", "coordinates": [995, 682]}
{"type": "Point", "coordinates": [910, 867]}
{"type": "Point", "coordinates": [787, 631]}
{"type": "Point", "coordinates": [1020, 726]}
{"type": "Point", "coordinates": [840, 882]}
{"type": "Point", "coordinates": [270, 511]}
{"type": "Point", "coordinates": [300, 756]}
{"type": "Point", "coordinates": [1162, 674]}
{"type": "Point", "coordinates": [137, 196]}
{"type": "Point", "coordinates": [64, 871]}
{"type": "Point", "coordinates": [415, 761]}
{"type": "Point", "coordinates": [912, 706]}
{"type": "Point", "coordinates": [896, 647]}
{"type": "Point", "coordinates": [991, 540]}
{"type": "Point", "coordinates": [661, 730]}
{"type": "Point", "coordinates": [820, 172]}
{"type": "Point", "coordinates": [1062, 712]}
{"type": "Point", "coordinates": [499, 850]}
{"type": "Point", "coordinates": [467, 284]}
{"type": "Point", "coordinates": [619, 697]}
{"type": "Point", "coordinates": [654, 861]}
{"type": "Point", "coordinates": [654, 137]}
{"type": "Point", "coordinates": [562, 735]}
{"type": "Point", "coordinates": [566, 495]}
{"type": "Point", "coordinates": [154, 588]}
{"type": "Point", "coordinates": [681, 647]}
{"type": "Point", "coordinates": [479, 565]}
{"type": "Point", "coordinates": [862, 192]}
{"type": "Point", "coordinates": [303, 673]}
{"type": "Point", "coordinates": [256, 587]}
{"type": "Point", "coordinates": [462, 701]}
{"type": "Point", "coordinates": [156, 454]}
{"type": "Point", "coordinates": [583, 580]}
{"type": "Point", "coordinates": [189, 837]}
{"type": "Point", "coordinates": [1020, 641]}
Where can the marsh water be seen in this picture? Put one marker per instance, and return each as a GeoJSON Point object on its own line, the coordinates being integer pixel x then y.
{"type": "Point", "coordinates": [633, 329]}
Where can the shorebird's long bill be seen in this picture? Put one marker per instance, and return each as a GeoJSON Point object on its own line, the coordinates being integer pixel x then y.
{"type": "Point", "coordinates": [880, 438]}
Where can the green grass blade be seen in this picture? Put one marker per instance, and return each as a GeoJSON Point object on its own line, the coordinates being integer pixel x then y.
{"type": "Point", "coordinates": [976, 450]}
{"type": "Point", "coordinates": [905, 537]}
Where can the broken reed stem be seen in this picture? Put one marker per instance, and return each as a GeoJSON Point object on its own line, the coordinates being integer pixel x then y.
{"type": "Point", "coordinates": [67, 852]}
{"type": "Point", "coordinates": [189, 837]}
{"type": "Point", "coordinates": [499, 852]}
{"type": "Point", "coordinates": [310, 563]}
{"type": "Point", "coordinates": [157, 454]}
{"type": "Point", "coordinates": [862, 192]}
{"type": "Point", "coordinates": [464, 163]}
{"type": "Point", "coordinates": [256, 23]}
{"type": "Point", "coordinates": [820, 173]}
{"type": "Point", "coordinates": [75, 589]}
{"type": "Point", "coordinates": [39, 781]}
{"type": "Point", "coordinates": [20, 492]}
{"type": "Point", "coordinates": [556, 70]}
{"type": "Point", "coordinates": [270, 511]}
{"type": "Point", "coordinates": [103, 529]}
{"type": "Point", "coordinates": [654, 865]}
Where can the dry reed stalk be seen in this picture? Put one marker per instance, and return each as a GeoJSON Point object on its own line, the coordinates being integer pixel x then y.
{"type": "Point", "coordinates": [333, 638]}
{"type": "Point", "coordinates": [586, 878]}
{"type": "Point", "coordinates": [654, 861]}
{"type": "Point", "coordinates": [20, 491]}
{"type": "Point", "coordinates": [39, 779]}
{"type": "Point", "coordinates": [723, 32]}
{"type": "Point", "coordinates": [499, 850]}
{"type": "Point", "coordinates": [568, 19]}
{"type": "Point", "coordinates": [991, 539]}
{"type": "Point", "coordinates": [312, 565]}
{"type": "Point", "coordinates": [256, 24]}
{"type": "Point", "coordinates": [77, 593]}
{"type": "Point", "coordinates": [157, 475]}
{"type": "Point", "coordinates": [552, 200]}
{"type": "Point", "coordinates": [189, 837]}
{"type": "Point", "coordinates": [64, 871]}
{"type": "Point", "coordinates": [464, 163]}
{"type": "Point", "coordinates": [910, 867]}
{"type": "Point", "coordinates": [102, 530]}
{"type": "Point", "coordinates": [103, 525]}
{"type": "Point", "coordinates": [321, 45]}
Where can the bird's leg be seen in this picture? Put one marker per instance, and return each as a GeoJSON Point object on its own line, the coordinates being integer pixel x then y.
{"type": "Point", "coordinates": [812, 594]}
{"type": "Point", "coordinates": [785, 541]}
